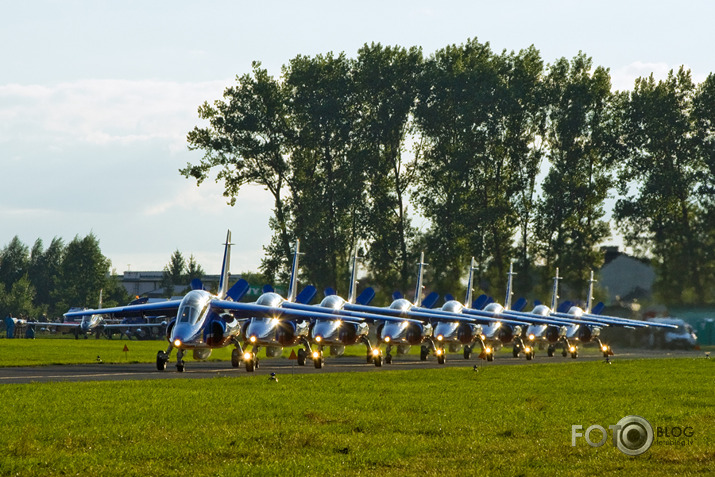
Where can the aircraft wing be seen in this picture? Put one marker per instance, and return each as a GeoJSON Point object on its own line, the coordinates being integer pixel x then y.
{"type": "Point", "coordinates": [168, 308]}
{"type": "Point", "coordinates": [431, 315]}
{"type": "Point", "coordinates": [349, 314]}
{"type": "Point", "coordinates": [48, 324]}
{"type": "Point", "coordinates": [116, 326]}
{"type": "Point", "coordinates": [293, 310]}
{"type": "Point", "coordinates": [612, 321]}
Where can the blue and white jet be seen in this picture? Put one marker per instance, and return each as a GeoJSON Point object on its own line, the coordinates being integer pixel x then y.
{"type": "Point", "coordinates": [205, 321]}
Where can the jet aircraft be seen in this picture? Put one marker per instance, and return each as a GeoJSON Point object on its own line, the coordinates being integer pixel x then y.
{"type": "Point", "coordinates": [332, 324]}
{"type": "Point", "coordinates": [205, 321]}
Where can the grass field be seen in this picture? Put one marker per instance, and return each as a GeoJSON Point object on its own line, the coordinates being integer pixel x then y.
{"type": "Point", "coordinates": [503, 420]}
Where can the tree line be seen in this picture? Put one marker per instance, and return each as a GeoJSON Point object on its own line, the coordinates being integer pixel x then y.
{"type": "Point", "coordinates": [48, 281]}
{"type": "Point", "coordinates": [470, 152]}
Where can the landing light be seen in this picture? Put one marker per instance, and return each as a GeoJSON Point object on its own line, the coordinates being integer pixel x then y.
{"type": "Point", "coordinates": [440, 337]}
{"type": "Point", "coordinates": [439, 352]}
{"type": "Point", "coordinates": [338, 322]}
{"type": "Point", "coordinates": [318, 339]}
{"type": "Point", "coordinates": [488, 350]}
{"type": "Point", "coordinates": [253, 339]}
{"type": "Point", "coordinates": [527, 349]}
{"type": "Point", "coordinates": [604, 348]}
{"type": "Point", "coordinates": [376, 351]}
{"type": "Point", "coordinates": [531, 337]}
{"type": "Point", "coordinates": [177, 343]}
{"type": "Point", "coordinates": [387, 339]}
{"type": "Point", "coordinates": [247, 356]}
{"type": "Point", "coordinates": [483, 337]}
{"type": "Point", "coordinates": [497, 324]}
{"type": "Point", "coordinates": [316, 355]}
{"type": "Point", "coordinates": [572, 349]}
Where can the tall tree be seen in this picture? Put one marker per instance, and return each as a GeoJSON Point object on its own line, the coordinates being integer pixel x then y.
{"type": "Point", "coordinates": [246, 140]}
{"type": "Point", "coordinates": [659, 210]}
{"type": "Point", "coordinates": [479, 115]}
{"type": "Point", "coordinates": [327, 183]}
{"type": "Point", "coordinates": [580, 136]}
{"type": "Point", "coordinates": [174, 273]}
{"type": "Point", "coordinates": [84, 272]}
{"type": "Point", "coordinates": [14, 262]}
{"type": "Point", "coordinates": [386, 89]}
{"type": "Point", "coordinates": [704, 117]}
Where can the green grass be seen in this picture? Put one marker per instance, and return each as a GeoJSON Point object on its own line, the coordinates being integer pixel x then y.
{"type": "Point", "coordinates": [502, 420]}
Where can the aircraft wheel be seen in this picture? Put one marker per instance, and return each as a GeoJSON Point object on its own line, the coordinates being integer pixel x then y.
{"type": "Point", "coordinates": [235, 358]}
{"type": "Point", "coordinates": [370, 357]}
{"type": "Point", "coordinates": [180, 367]}
{"type": "Point", "coordinates": [388, 359]}
{"type": "Point", "coordinates": [550, 352]}
{"type": "Point", "coordinates": [424, 351]}
{"type": "Point", "coordinates": [161, 360]}
{"type": "Point", "coordinates": [529, 356]}
{"type": "Point", "coordinates": [301, 357]}
{"type": "Point", "coordinates": [467, 352]}
{"type": "Point", "coordinates": [440, 359]}
{"type": "Point", "coordinates": [574, 355]}
{"type": "Point", "coordinates": [378, 360]}
{"type": "Point", "coordinates": [515, 351]}
{"type": "Point", "coordinates": [319, 362]}
{"type": "Point", "coordinates": [490, 357]}
{"type": "Point", "coordinates": [564, 353]}
{"type": "Point", "coordinates": [256, 362]}
{"type": "Point", "coordinates": [249, 366]}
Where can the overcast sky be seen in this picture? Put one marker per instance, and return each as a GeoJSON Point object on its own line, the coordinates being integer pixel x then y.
{"type": "Point", "coordinates": [96, 98]}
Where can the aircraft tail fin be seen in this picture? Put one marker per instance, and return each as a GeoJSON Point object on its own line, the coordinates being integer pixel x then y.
{"type": "Point", "coordinates": [564, 307]}
{"type": "Point", "coordinates": [470, 284]}
{"type": "Point", "coordinates": [520, 304]}
{"type": "Point", "coordinates": [480, 302]}
{"type": "Point", "coordinates": [396, 295]}
{"type": "Point", "coordinates": [238, 290]}
{"type": "Point", "coordinates": [448, 297]}
{"type": "Point", "coordinates": [555, 291]}
{"type": "Point", "coordinates": [366, 296]}
{"type": "Point", "coordinates": [509, 291]}
{"type": "Point", "coordinates": [419, 286]}
{"type": "Point", "coordinates": [329, 291]}
{"type": "Point", "coordinates": [197, 284]}
{"type": "Point", "coordinates": [306, 295]}
{"type": "Point", "coordinates": [223, 281]}
{"type": "Point", "coordinates": [267, 288]}
{"type": "Point", "coordinates": [598, 308]}
{"type": "Point", "coordinates": [293, 284]}
{"type": "Point", "coordinates": [589, 298]}
{"type": "Point", "coordinates": [353, 279]}
{"type": "Point", "coordinates": [430, 300]}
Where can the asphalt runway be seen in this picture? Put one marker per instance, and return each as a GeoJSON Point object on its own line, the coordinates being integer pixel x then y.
{"type": "Point", "coordinates": [282, 366]}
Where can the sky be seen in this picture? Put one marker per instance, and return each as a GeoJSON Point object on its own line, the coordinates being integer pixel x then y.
{"type": "Point", "coordinates": [97, 97]}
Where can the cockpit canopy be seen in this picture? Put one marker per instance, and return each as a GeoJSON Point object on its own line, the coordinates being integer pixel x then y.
{"type": "Point", "coordinates": [193, 306]}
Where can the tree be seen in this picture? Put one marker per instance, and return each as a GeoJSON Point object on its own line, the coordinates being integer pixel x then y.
{"type": "Point", "coordinates": [84, 272]}
{"type": "Point", "coordinates": [174, 273]}
{"type": "Point", "coordinates": [247, 141]}
{"type": "Point", "coordinates": [386, 89]}
{"type": "Point", "coordinates": [193, 270]}
{"type": "Point", "coordinates": [704, 120]}
{"type": "Point", "coordinates": [580, 139]}
{"type": "Point", "coordinates": [14, 262]}
{"type": "Point", "coordinates": [479, 114]}
{"type": "Point", "coordinates": [44, 272]}
{"type": "Point", "coordinates": [660, 207]}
